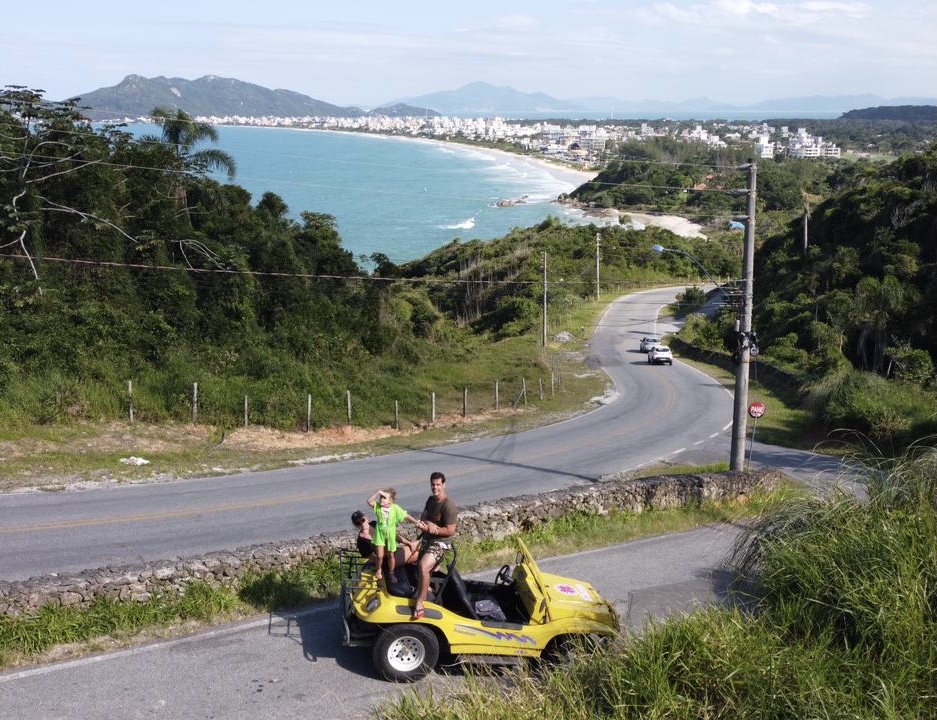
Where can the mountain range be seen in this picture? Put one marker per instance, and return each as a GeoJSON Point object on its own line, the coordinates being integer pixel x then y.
{"type": "Point", "coordinates": [136, 96]}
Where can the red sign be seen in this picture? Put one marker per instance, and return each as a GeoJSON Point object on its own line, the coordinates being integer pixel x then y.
{"type": "Point", "coordinates": [756, 409]}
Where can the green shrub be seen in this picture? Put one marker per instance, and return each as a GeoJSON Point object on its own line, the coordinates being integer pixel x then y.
{"type": "Point", "coordinates": [889, 414]}
{"type": "Point", "coordinates": [844, 599]}
{"type": "Point", "coordinates": [860, 575]}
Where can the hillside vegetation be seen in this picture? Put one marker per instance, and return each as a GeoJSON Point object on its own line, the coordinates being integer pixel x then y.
{"type": "Point", "coordinates": [832, 613]}
{"type": "Point", "coordinates": [124, 261]}
{"type": "Point", "coordinates": [845, 274]}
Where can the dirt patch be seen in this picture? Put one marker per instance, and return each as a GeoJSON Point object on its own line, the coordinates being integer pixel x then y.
{"type": "Point", "coordinates": [81, 457]}
{"type": "Point", "coordinates": [259, 439]}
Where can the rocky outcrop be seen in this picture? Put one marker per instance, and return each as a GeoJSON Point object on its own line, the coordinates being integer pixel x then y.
{"type": "Point", "coordinates": [496, 519]}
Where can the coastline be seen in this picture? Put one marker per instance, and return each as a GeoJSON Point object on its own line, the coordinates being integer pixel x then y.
{"type": "Point", "coordinates": [558, 171]}
{"type": "Point", "coordinates": [566, 180]}
{"type": "Point", "coordinates": [563, 173]}
{"type": "Point", "coordinates": [573, 178]}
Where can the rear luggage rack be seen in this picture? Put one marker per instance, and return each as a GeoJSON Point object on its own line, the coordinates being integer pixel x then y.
{"type": "Point", "coordinates": [351, 567]}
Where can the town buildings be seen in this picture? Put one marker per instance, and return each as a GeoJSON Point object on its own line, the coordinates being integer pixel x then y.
{"type": "Point", "coordinates": [583, 143]}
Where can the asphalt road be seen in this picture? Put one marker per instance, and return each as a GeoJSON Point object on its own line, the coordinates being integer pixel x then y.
{"type": "Point", "coordinates": [294, 666]}
{"type": "Point", "coordinates": [653, 412]}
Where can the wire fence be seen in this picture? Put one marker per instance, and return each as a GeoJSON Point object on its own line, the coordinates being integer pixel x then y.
{"type": "Point", "coordinates": [246, 410]}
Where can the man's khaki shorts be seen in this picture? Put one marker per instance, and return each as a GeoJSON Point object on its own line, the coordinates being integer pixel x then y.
{"type": "Point", "coordinates": [436, 548]}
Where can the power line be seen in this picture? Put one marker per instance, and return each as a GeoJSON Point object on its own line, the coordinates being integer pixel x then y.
{"type": "Point", "coordinates": [260, 273]}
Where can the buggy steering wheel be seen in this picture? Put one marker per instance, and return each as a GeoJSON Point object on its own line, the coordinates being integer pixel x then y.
{"type": "Point", "coordinates": [504, 576]}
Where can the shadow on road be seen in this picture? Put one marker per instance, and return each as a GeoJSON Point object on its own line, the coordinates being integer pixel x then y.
{"type": "Point", "coordinates": [317, 632]}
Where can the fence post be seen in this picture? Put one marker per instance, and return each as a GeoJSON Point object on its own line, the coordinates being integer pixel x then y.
{"type": "Point", "coordinates": [130, 399]}
{"type": "Point", "coordinates": [540, 382]}
{"type": "Point", "coordinates": [194, 402]}
{"type": "Point", "coordinates": [497, 396]}
{"type": "Point", "coordinates": [433, 410]}
{"type": "Point", "coordinates": [464, 401]}
{"type": "Point", "coordinates": [245, 411]}
{"type": "Point", "coordinates": [552, 384]}
{"type": "Point", "coordinates": [348, 404]}
{"type": "Point", "coordinates": [396, 415]}
{"type": "Point", "coordinates": [524, 389]}
{"type": "Point", "coordinates": [308, 412]}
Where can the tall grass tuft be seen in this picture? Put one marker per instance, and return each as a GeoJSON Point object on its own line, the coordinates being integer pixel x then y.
{"type": "Point", "coordinates": [54, 625]}
{"type": "Point", "coordinates": [294, 587]}
{"type": "Point", "coordinates": [861, 573]}
{"type": "Point", "coordinates": [840, 621]}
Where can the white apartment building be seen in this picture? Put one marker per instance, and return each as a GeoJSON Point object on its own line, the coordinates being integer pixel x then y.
{"type": "Point", "coordinates": [764, 147]}
{"type": "Point", "coordinates": [803, 145]}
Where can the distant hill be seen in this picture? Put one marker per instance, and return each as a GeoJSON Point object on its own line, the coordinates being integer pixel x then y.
{"type": "Point", "coordinates": [211, 95]}
{"type": "Point", "coordinates": [901, 113]}
{"type": "Point", "coordinates": [136, 96]}
{"type": "Point", "coordinates": [481, 98]}
{"type": "Point", "coordinates": [403, 110]}
{"type": "Point", "coordinates": [485, 99]}
{"type": "Point", "coordinates": [801, 107]}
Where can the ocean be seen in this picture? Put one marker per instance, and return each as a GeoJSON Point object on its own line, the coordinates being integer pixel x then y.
{"type": "Point", "coordinates": [400, 197]}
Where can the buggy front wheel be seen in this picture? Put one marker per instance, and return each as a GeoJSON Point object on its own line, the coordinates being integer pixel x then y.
{"type": "Point", "coordinates": [405, 653]}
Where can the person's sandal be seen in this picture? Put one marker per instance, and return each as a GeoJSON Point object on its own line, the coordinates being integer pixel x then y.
{"type": "Point", "coordinates": [418, 613]}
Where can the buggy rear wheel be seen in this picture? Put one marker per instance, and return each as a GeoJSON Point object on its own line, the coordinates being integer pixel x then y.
{"type": "Point", "coordinates": [405, 653]}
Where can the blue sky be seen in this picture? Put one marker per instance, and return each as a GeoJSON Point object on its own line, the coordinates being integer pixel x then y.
{"type": "Point", "coordinates": [368, 53]}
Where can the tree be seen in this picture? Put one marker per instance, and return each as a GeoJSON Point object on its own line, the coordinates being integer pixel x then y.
{"type": "Point", "coordinates": [183, 133]}
{"type": "Point", "coordinates": [55, 174]}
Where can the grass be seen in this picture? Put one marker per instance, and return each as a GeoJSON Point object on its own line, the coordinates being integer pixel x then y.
{"type": "Point", "coordinates": [785, 422]}
{"type": "Point", "coordinates": [51, 456]}
{"type": "Point", "coordinates": [845, 599]}
{"type": "Point", "coordinates": [108, 622]}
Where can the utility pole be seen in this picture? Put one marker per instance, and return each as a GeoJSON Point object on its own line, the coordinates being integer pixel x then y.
{"type": "Point", "coordinates": [544, 333]}
{"type": "Point", "coordinates": [745, 337]}
{"type": "Point", "coordinates": [806, 218]}
{"type": "Point", "coordinates": [598, 239]}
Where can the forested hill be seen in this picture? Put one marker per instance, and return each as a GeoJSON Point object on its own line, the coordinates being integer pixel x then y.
{"type": "Point", "coordinates": [900, 113]}
{"type": "Point", "coordinates": [135, 96]}
{"type": "Point", "coordinates": [121, 259]}
{"type": "Point", "coordinates": [212, 96]}
{"type": "Point", "coordinates": [860, 280]}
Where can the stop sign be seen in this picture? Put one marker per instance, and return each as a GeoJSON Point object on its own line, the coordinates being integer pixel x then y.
{"type": "Point", "coordinates": [756, 409]}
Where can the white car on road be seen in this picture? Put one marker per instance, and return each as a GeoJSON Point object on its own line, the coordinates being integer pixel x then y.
{"type": "Point", "coordinates": [660, 354]}
{"type": "Point", "coordinates": [646, 343]}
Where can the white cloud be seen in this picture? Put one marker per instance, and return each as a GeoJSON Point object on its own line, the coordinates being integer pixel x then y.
{"type": "Point", "coordinates": [745, 7]}
{"type": "Point", "coordinates": [370, 52]}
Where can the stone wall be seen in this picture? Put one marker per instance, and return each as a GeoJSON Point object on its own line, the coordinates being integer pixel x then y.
{"type": "Point", "coordinates": [496, 519]}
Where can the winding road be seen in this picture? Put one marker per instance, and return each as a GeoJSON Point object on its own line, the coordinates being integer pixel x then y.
{"type": "Point", "coordinates": [293, 665]}
{"type": "Point", "coordinates": [653, 412]}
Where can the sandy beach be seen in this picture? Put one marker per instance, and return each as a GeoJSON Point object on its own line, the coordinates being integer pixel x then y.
{"type": "Point", "coordinates": [574, 178]}
{"type": "Point", "coordinates": [676, 225]}
{"type": "Point", "coordinates": [564, 173]}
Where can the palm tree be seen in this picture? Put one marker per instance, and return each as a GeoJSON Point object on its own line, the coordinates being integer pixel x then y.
{"type": "Point", "coordinates": [183, 133]}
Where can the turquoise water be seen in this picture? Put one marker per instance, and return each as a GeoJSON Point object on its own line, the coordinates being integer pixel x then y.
{"type": "Point", "coordinates": [400, 197]}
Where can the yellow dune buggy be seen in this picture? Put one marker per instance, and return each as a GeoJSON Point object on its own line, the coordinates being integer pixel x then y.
{"type": "Point", "coordinates": [524, 613]}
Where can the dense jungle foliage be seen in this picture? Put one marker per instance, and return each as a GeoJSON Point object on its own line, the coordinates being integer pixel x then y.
{"type": "Point", "coordinates": [122, 259]}
{"type": "Point", "coordinates": [845, 272]}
